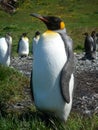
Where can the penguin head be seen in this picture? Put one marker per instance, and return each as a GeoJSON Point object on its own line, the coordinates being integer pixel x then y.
{"type": "Point", "coordinates": [86, 34]}
{"type": "Point", "coordinates": [52, 22]}
{"type": "Point", "coordinates": [24, 34]}
{"type": "Point", "coordinates": [8, 38]}
{"type": "Point", "coordinates": [93, 33]}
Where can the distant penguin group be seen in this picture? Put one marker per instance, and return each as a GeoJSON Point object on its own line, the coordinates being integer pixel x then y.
{"type": "Point", "coordinates": [5, 49]}
{"type": "Point", "coordinates": [52, 80]}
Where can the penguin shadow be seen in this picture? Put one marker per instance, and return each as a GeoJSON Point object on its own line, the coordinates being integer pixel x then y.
{"type": "Point", "coordinates": [49, 120]}
{"type": "Point", "coordinates": [84, 58]}
{"type": "Point", "coordinates": [88, 56]}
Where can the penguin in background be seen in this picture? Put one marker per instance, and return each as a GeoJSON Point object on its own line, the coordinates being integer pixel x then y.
{"type": "Point", "coordinates": [5, 49]}
{"type": "Point", "coordinates": [52, 79]}
{"type": "Point", "coordinates": [35, 41]}
{"type": "Point", "coordinates": [93, 35]}
{"type": "Point", "coordinates": [97, 42]}
{"type": "Point", "coordinates": [23, 46]}
{"type": "Point", "coordinates": [88, 46]}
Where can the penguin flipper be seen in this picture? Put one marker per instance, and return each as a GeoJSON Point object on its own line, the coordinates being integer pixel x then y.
{"type": "Point", "coordinates": [67, 69]}
{"type": "Point", "coordinates": [64, 81]}
{"type": "Point", "coordinates": [10, 48]}
{"type": "Point", "coordinates": [18, 47]}
{"type": "Point", "coordinates": [31, 85]}
{"type": "Point", "coordinates": [9, 44]}
{"type": "Point", "coordinates": [18, 44]}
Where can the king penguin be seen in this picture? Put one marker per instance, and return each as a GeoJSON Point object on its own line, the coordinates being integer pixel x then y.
{"type": "Point", "coordinates": [52, 79]}
{"type": "Point", "coordinates": [88, 46]}
{"type": "Point", "coordinates": [35, 41]}
{"type": "Point", "coordinates": [23, 46]}
{"type": "Point", "coordinates": [5, 49]}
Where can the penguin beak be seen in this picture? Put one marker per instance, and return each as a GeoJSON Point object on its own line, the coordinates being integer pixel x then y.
{"type": "Point", "coordinates": [42, 18]}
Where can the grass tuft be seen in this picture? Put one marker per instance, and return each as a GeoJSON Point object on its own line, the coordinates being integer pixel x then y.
{"type": "Point", "coordinates": [11, 87]}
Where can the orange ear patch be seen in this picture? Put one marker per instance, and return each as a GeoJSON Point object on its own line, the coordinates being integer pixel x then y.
{"type": "Point", "coordinates": [62, 25]}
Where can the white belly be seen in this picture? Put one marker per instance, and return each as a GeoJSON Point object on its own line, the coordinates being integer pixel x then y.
{"type": "Point", "coordinates": [50, 57]}
{"type": "Point", "coordinates": [23, 48]}
{"type": "Point", "coordinates": [4, 56]}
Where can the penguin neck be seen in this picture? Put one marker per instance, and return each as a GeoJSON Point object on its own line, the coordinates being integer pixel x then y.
{"type": "Point", "coordinates": [58, 31]}
{"type": "Point", "coordinates": [61, 31]}
{"type": "Point", "coordinates": [8, 39]}
{"type": "Point", "coordinates": [25, 38]}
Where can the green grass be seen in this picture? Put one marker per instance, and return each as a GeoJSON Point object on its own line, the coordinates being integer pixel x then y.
{"type": "Point", "coordinates": [79, 16]}
{"type": "Point", "coordinates": [12, 84]}
{"type": "Point", "coordinates": [36, 122]}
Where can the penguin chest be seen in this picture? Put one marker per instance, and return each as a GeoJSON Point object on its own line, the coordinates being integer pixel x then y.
{"type": "Point", "coordinates": [49, 59]}
{"type": "Point", "coordinates": [3, 48]}
{"type": "Point", "coordinates": [4, 56]}
{"type": "Point", "coordinates": [23, 47]}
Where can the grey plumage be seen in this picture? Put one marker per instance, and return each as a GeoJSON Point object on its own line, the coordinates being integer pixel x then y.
{"type": "Point", "coordinates": [68, 67]}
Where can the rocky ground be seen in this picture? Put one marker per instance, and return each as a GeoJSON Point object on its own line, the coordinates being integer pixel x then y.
{"type": "Point", "coordinates": [86, 83]}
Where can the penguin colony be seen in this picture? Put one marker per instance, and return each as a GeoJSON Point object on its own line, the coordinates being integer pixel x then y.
{"type": "Point", "coordinates": [52, 80]}
{"type": "Point", "coordinates": [5, 49]}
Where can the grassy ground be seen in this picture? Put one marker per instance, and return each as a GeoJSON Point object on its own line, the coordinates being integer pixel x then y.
{"type": "Point", "coordinates": [80, 16]}
{"type": "Point", "coordinates": [12, 84]}
{"type": "Point", "coordinates": [35, 123]}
